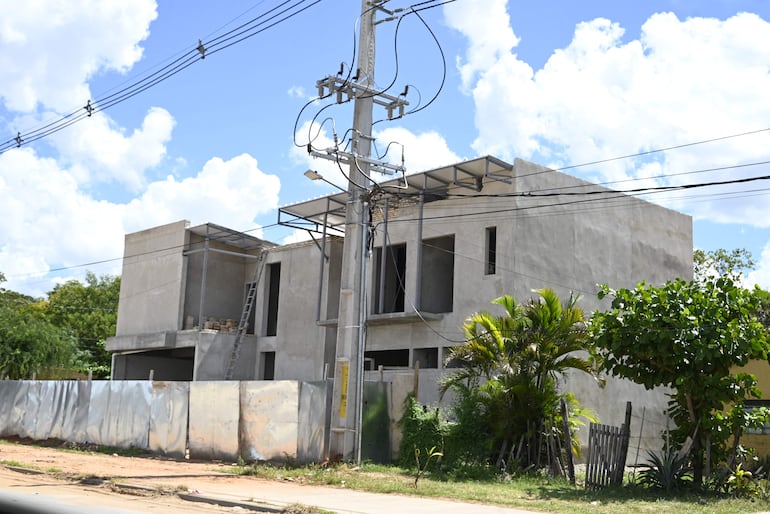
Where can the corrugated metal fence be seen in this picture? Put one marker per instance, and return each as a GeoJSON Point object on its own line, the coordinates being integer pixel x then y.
{"type": "Point", "coordinates": [271, 420]}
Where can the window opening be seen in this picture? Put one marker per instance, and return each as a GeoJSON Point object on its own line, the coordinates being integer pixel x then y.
{"type": "Point", "coordinates": [388, 358]}
{"type": "Point", "coordinates": [274, 281]}
{"type": "Point", "coordinates": [268, 365]}
{"type": "Point", "coordinates": [427, 357]}
{"type": "Point", "coordinates": [389, 290]}
{"type": "Point", "coordinates": [437, 273]}
{"type": "Point", "coordinates": [490, 252]}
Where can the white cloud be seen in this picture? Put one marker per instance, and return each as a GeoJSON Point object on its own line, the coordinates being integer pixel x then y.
{"type": "Point", "coordinates": [88, 35]}
{"type": "Point", "coordinates": [682, 81]}
{"type": "Point", "coordinates": [761, 274]}
{"type": "Point", "coordinates": [47, 221]}
{"type": "Point", "coordinates": [296, 236]}
{"type": "Point", "coordinates": [421, 152]}
{"type": "Point", "coordinates": [231, 193]}
{"type": "Point", "coordinates": [104, 153]}
{"type": "Point", "coordinates": [486, 24]}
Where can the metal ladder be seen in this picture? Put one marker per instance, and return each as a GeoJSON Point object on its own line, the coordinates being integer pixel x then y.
{"type": "Point", "coordinates": [243, 323]}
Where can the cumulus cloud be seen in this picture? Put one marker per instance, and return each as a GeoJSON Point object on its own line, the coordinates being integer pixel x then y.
{"type": "Point", "coordinates": [421, 152]}
{"type": "Point", "coordinates": [89, 36]}
{"type": "Point", "coordinates": [103, 153]}
{"type": "Point", "coordinates": [682, 81]}
{"type": "Point", "coordinates": [486, 24]}
{"type": "Point", "coordinates": [51, 215]}
{"type": "Point", "coordinates": [47, 221]}
{"type": "Point", "coordinates": [230, 193]}
{"type": "Point", "coordinates": [761, 275]}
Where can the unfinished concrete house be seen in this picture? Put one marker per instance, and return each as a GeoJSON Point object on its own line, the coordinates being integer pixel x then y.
{"type": "Point", "coordinates": [443, 244]}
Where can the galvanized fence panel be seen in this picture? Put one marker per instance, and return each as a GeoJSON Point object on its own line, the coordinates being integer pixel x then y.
{"type": "Point", "coordinates": [215, 420]}
{"type": "Point", "coordinates": [214, 413]}
{"type": "Point", "coordinates": [30, 409]}
{"type": "Point", "coordinates": [269, 420]}
{"type": "Point", "coordinates": [315, 405]}
{"type": "Point", "coordinates": [119, 413]}
{"type": "Point", "coordinates": [169, 411]}
{"type": "Point", "coordinates": [13, 398]}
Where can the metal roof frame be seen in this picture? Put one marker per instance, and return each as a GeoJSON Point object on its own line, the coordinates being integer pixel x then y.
{"type": "Point", "coordinates": [330, 211]}
{"type": "Point", "coordinates": [230, 237]}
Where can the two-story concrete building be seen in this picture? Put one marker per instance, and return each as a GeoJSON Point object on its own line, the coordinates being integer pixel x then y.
{"type": "Point", "coordinates": [443, 244]}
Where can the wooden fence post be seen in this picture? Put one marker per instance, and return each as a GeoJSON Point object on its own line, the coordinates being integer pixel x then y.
{"type": "Point", "coordinates": [568, 442]}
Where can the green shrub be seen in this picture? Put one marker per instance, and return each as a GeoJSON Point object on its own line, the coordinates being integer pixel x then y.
{"type": "Point", "coordinates": [421, 428]}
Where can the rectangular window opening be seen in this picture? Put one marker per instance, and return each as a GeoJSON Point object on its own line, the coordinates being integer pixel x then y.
{"type": "Point", "coordinates": [273, 288]}
{"type": "Point", "coordinates": [268, 365]}
{"type": "Point", "coordinates": [437, 272]}
{"type": "Point", "coordinates": [387, 359]}
{"type": "Point", "coordinates": [427, 357]}
{"type": "Point", "coordinates": [490, 251]}
{"type": "Point", "coordinates": [390, 279]}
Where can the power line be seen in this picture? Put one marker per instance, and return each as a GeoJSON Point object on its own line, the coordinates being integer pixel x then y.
{"type": "Point", "coordinates": [260, 23]}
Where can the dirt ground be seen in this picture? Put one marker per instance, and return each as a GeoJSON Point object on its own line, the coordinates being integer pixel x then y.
{"type": "Point", "coordinates": [166, 486]}
{"type": "Point", "coordinates": [89, 473]}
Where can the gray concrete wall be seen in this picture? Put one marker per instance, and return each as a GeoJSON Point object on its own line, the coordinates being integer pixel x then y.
{"type": "Point", "coordinates": [541, 242]}
{"type": "Point", "coordinates": [545, 241]}
{"type": "Point", "coordinates": [152, 280]}
{"type": "Point", "coordinates": [301, 344]}
{"type": "Point", "coordinates": [226, 278]}
{"type": "Point", "coordinates": [213, 353]}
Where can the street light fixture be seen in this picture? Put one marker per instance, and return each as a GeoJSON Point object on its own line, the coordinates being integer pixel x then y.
{"type": "Point", "coordinates": [314, 175]}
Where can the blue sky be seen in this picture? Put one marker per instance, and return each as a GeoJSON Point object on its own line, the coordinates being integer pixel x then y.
{"type": "Point", "coordinates": [560, 83]}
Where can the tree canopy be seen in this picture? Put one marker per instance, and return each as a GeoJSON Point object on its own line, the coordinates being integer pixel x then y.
{"type": "Point", "coordinates": [688, 336]}
{"type": "Point", "coordinates": [721, 262]}
{"type": "Point", "coordinates": [68, 330]}
{"type": "Point", "coordinates": [89, 312]}
{"type": "Point", "coordinates": [31, 345]}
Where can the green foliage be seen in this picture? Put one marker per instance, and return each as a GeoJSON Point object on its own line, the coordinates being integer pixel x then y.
{"type": "Point", "coordinates": [688, 336]}
{"type": "Point", "coordinates": [506, 387]}
{"type": "Point", "coordinates": [422, 466]}
{"type": "Point", "coordinates": [668, 470]}
{"type": "Point", "coordinates": [89, 311]}
{"type": "Point", "coordinates": [721, 262]}
{"type": "Point", "coordinates": [420, 428]}
{"type": "Point", "coordinates": [30, 345]}
{"type": "Point", "coordinates": [741, 482]}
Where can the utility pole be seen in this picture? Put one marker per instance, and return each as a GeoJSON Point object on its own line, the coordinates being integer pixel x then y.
{"type": "Point", "coordinates": [347, 400]}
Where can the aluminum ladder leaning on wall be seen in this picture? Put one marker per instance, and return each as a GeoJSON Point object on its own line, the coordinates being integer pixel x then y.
{"type": "Point", "coordinates": [248, 305]}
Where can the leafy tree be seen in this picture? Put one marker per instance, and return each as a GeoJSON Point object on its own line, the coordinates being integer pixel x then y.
{"type": "Point", "coordinates": [12, 298]}
{"type": "Point", "coordinates": [510, 367]}
{"type": "Point", "coordinates": [89, 311]}
{"type": "Point", "coordinates": [29, 344]}
{"type": "Point", "coordinates": [688, 336]}
{"type": "Point", "coordinates": [721, 262]}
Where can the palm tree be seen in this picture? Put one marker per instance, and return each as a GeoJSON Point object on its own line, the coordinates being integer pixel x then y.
{"type": "Point", "coordinates": [511, 365]}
